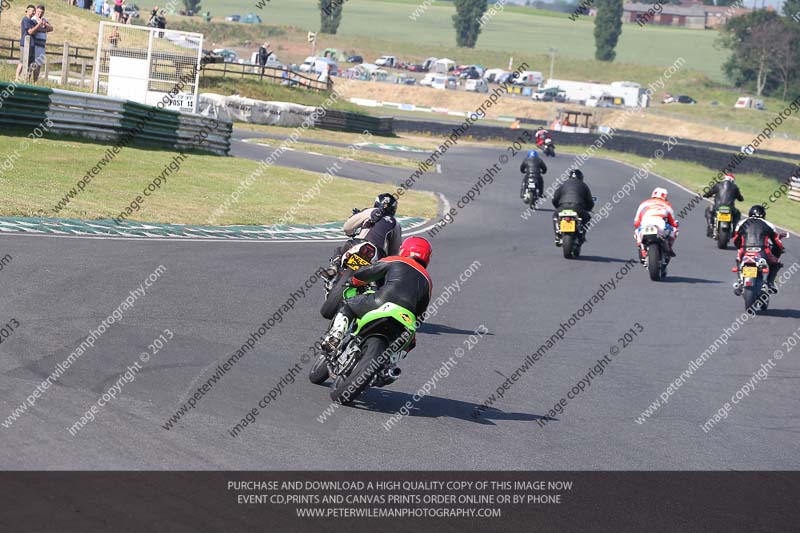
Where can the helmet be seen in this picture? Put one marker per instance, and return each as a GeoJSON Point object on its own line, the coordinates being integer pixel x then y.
{"type": "Point", "coordinates": [387, 202]}
{"type": "Point", "coordinates": [660, 192]}
{"type": "Point", "coordinates": [757, 211]}
{"type": "Point", "coordinates": [533, 153]}
{"type": "Point", "coordinates": [729, 177]}
{"type": "Point", "coordinates": [577, 174]}
{"type": "Point", "coordinates": [540, 128]}
{"type": "Point", "coordinates": [416, 248]}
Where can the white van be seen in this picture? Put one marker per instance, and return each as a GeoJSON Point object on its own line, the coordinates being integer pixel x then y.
{"type": "Point", "coordinates": [427, 80]}
{"type": "Point", "coordinates": [529, 78]}
{"type": "Point", "coordinates": [445, 82]}
{"type": "Point", "coordinates": [478, 86]}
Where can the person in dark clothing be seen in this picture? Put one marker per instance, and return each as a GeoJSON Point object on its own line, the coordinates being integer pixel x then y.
{"type": "Point", "coordinates": [405, 282]}
{"type": "Point", "coordinates": [725, 193]}
{"type": "Point", "coordinates": [532, 167]}
{"type": "Point", "coordinates": [573, 194]}
{"type": "Point", "coordinates": [756, 232]}
{"type": "Point", "coordinates": [263, 54]}
{"type": "Point", "coordinates": [378, 226]}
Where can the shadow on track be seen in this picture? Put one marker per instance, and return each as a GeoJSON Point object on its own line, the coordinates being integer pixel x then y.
{"type": "Point", "coordinates": [441, 329]}
{"type": "Point", "coordinates": [783, 313]}
{"type": "Point", "coordinates": [389, 402]}
{"type": "Point", "coordinates": [681, 279]}
{"type": "Point", "coordinates": [601, 259]}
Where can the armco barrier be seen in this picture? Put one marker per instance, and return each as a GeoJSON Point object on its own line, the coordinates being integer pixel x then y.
{"type": "Point", "coordinates": [794, 192]}
{"type": "Point", "coordinates": [355, 123]}
{"type": "Point", "coordinates": [108, 119]}
{"type": "Point", "coordinates": [709, 157]}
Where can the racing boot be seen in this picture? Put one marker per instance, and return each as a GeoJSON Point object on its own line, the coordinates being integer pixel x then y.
{"type": "Point", "coordinates": [334, 336]}
{"type": "Point", "coordinates": [773, 273]}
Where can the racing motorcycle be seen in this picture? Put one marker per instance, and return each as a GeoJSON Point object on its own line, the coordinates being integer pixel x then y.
{"type": "Point", "coordinates": [653, 250]}
{"type": "Point", "coordinates": [723, 226]}
{"type": "Point", "coordinates": [753, 273]}
{"type": "Point", "coordinates": [532, 193]}
{"type": "Point", "coordinates": [359, 255]}
{"type": "Point", "coordinates": [549, 148]}
{"type": "Point", "coordinates": [369, 350]}
{"type": "Point", "coordinates": [572, 233]}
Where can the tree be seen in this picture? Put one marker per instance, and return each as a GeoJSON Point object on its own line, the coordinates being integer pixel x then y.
{"type": "Point", "coordinates": [467, 21]}
{"type": "Point", "coordinates": [607, 29]}
{"type": "Point", "coordinates": [757, 52]}
{"type": "Point", "coordinates": [791, 8]}
{"type": "Point", "coordinates": [192, 6]}
{"type": "Point", "coordinates": [330, 14]}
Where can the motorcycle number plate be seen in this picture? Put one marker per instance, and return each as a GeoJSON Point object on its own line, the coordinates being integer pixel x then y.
{"type": "Point", "coordinates": [356, 261]}
{"type": "Point", "coordinates": [725, 217]}
{"type": "Point", "coordinates": [567, 226]}
{"type": "Point", "coordinates": [750, 272]}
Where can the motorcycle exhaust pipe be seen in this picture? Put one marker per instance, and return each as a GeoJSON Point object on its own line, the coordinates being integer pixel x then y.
{"type": "Point", "coordinates": [394, 372]}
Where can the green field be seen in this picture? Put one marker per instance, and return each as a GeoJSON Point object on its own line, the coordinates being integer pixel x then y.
{"type": "Point", "coordinates": [189, 196]}
{"type": "Point", "coordinates": [513, 31]}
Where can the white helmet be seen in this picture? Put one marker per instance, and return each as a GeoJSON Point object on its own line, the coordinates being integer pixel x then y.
{"type": "Point", "coordinates": [660, 192]}
{"type": "Point", "coordinates": [729, 177]}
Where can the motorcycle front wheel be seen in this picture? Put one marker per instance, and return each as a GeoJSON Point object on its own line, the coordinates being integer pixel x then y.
{"type": "Point", "coordinates": [319, 371]}
{"type": "Point", "coordinates": [346, 389]}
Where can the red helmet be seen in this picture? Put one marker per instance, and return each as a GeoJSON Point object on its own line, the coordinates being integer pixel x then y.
{"type": "Point", "coordinates": [729, 177]}
{"type": "Point", "coordinates": [416, 248]}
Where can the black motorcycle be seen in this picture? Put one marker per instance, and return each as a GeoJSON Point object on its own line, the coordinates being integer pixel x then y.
{"type": "Point", "coordinates": [571, 231]}
{"type": "Point", "coordinates": [531, 193]}
{"type": "Point", "coordinates": [722, 230]}
{"type": "Point", "coordinates": [549, 148]}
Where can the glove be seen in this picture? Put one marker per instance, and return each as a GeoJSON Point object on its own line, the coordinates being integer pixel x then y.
{"type": "Point", "coordinates": [375, 216]}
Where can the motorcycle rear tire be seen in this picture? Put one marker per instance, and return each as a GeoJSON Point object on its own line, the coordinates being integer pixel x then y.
{"type": "Point", "coordinates": [569, 245]}
{"type": "Point", "coordinates": [654, 261]}
{"type": "Point", "coordinates": [722, 238]}
{"type": "Point", "coordinates": [346, 389]}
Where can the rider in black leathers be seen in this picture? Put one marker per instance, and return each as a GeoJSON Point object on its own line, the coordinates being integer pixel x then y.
{"type": "Point", "coordinates": [756, 232]}
{"type": "Point", "coordinates": [726, 193]}
{"type": "Point", "coordinates": [532, 166]}
{"type": "Point", "coordinates": [573, 194]}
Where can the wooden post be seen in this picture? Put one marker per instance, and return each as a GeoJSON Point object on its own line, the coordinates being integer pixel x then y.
{"type": "Point", "coordinates": [83, 73]}
{"type": "Point", "coordinates": [65, 64]}
{"type": "Point", "coordinates": [25, 58]}
{"type": "Point", "coordinates": [224, 68]}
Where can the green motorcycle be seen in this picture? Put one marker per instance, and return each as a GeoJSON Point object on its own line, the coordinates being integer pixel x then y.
{"type": "Point", "coordinates": [368, 352]}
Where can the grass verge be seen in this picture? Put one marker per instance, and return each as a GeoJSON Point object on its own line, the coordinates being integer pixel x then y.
{"type": "Point", "coordinates": [50, 168]}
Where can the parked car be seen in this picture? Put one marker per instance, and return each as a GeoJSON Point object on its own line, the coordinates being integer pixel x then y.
{"type": "Point", "coordinates": [492, 74]}
{"type": "Point", "coordinates": [470, 73]}
{"type": "Point", "coordinates": [387, 61]}
{"type": "Point", "coordinates": [228, 56]}
{"type": "Point", "coordinates": [233, 18]}
{"type": "Point", "coordinates": [445, 82]}
{"type": "Point", "coordinates": [478, 85]}
{"type": "Point", "coordinates": [746, 102]}
{"type": "Point", "coordinates": [427, 80]}
{"type": "Point", "coordinates": [416, 67]}
{"type": "Point", "coordinates": [251, 18]}
{"type": "Point", "coordinates": [551, 94]}
{"type": "Point", "coordinates": [131, 11]}
{"type": "Point", "coordinates": [405, 79]}
{"type": "Point", "coordinates": [683, 99]}
{"type": "Point", "coordinates": [355, 59]}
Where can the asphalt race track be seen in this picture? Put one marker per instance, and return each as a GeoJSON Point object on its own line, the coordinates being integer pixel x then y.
{"type": "Point", "coordinates": [212, 295]}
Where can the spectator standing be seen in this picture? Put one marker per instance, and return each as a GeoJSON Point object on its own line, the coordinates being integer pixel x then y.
{"type": "Point", "coordinates": [42, 28]}
{"type": "Point", "coordinates": [264, 52]}
{"type": "Point", "coordinates": [117, 11]}
{"type": "Point", "coordinates": [26, 28]}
